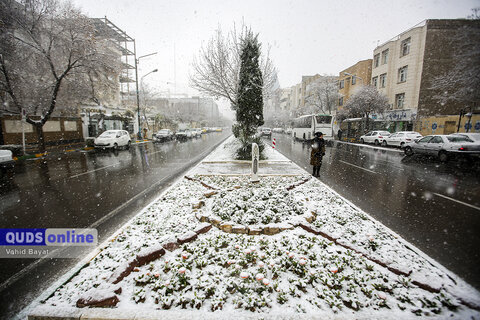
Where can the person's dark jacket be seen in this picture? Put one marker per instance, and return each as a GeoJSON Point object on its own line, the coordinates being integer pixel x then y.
{"type": "Point", "coordinates": [318, 151]}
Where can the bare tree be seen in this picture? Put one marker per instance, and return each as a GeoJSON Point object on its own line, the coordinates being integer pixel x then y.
{"type": "Point", "coordinates": [365, 101]}
{"type": "Point", "coordinates": [322, 95]}
{"type": "Point", "coordinates": [50, 56]}
{"type": "Point", "coordinates": [475, 14]}
{"type": "Point", "coordinates": [217, 69]}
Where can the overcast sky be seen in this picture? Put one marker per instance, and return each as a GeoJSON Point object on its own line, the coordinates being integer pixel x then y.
{"type": "Point", "coordinates": [306, 37]}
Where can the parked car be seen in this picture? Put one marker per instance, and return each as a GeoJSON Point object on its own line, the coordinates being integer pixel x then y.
{"type": "Point", "coordinates": [163, 135]}
{"type": "Point", "coordinates": [183, 134]}
{"type": "Point", "coordinates": [113, 139]}
{"type": "Point", "coordinates": [375, 137]}
{"type": "Point", "coordinates": [197, 131]}
{"type": "Point", "coordinates": [288, 131]}
{"type": "Point", "coordinates": [473, 149]}
{"type": "Point", "coordinates": [266, 132]}
{"type": "Point", "coordinates": [277, 130]}
{"type": "Point", "coordinates": [7, 164]}
{"type": "Point", "coordinates": [401, 138]}
{"type": "Point", "coordinates": [442, 146]}
{"type": "Point", "coordinates": [475, 137]}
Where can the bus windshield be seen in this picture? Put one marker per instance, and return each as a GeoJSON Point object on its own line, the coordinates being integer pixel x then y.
{"type": "Point", "coordinates": [324, 119]}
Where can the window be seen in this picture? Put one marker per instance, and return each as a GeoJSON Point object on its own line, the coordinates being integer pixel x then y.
{"type": "Point", "coordinates": [340, 101]}
{"type": "Point", "coordinates": [399, 100]}
{"type": "Point", "coordinates": [342, 84]}
{"type": "Point", "coordinates": [375, 81]}
{"type": "Point", "coordinates": [436, 140]}
{"type": "Point", "coordinates": [425, 139]}
{"type": "Point", "coordinates": [323, 119]}
{"type": "Point", "coordinates": [383, 80]}
{"type": "Point", "coordinates": [376, 60]}
{"type": "Point", "coordinates": [385, 56]}
{"type": "Point", "coordinates": [405, 47]}
{"type": "Point", "coordinates": [354, 80]}
{"type": "Point", "coordinates": [458, 139]}
{"type": "Point", "coordinates": [402, 74]}
{"type": "Point", "coordinates": [303, 122]}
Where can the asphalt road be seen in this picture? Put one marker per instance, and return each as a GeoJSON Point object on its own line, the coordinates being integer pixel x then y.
{"type": "Point", "coordinates": [94, 189]}
{"type": "Point", "coordinates": [433, 205]}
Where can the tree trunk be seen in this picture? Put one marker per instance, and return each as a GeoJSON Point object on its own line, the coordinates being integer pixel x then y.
{"type": "Point", "coordinates": [366, 122]}
{"type": "Point", "coordinates": [40, 137]}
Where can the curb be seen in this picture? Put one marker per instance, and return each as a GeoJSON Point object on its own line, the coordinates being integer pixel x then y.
{"type": "Point", "coordinates": [370, 146]}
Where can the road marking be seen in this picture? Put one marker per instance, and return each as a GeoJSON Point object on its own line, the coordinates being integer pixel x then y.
{"type": "Point", "coordinates": [464, 203]}
{"type": "Point", "coordinates": [358, 166]}
{"type": "Point", "coordinates": [81, 174]}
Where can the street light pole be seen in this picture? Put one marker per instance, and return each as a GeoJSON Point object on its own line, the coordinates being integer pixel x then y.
{"type": "Point", "coordinates": [137, 61]}
{"type": "Point", "coordinates": [143, 91]}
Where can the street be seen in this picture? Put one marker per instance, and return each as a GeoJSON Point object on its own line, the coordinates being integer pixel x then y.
{"type": "Point", "coordinates": [85, 189]}
{"type": "Point", "coordinates": [435, 206]}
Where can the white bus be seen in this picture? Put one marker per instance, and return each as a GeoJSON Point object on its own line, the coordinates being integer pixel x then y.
{"type": "Point", "coordinates": [304, 127]}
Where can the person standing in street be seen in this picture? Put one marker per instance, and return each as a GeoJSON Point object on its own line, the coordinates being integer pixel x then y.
{"type": "Point", "coordinates": [318, 151]}
{"type": "Point", "coordinates": [340, 134]}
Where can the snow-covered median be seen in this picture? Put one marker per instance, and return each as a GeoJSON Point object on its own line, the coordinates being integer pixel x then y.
{"type": "Point", "coordinates": [286, 247]}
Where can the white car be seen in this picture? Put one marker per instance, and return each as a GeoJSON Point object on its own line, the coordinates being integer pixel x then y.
{"type": "Point", "coordinates": [266, 132]}
{"type": "Point", "coordinates": [277, 130]}
{"type": "Point", "coordinates": [474, 136]}
{"type": "Point", "coordinates": [183, 134]}
{"type": "Point", "coordinates": [198, 132]}
{"type": "Point", "coordinates": [375, 137]}
{"type": "Point", "coordinates": [113, 139]}
{"type": "Point", "coordinates": [474, 148]}
{"type": "Point", "coordinates": [401, 138]}
{"type": "Point", "coordinates": [442, 146]}
{"type": "Point", "coordinates": [6, 163]}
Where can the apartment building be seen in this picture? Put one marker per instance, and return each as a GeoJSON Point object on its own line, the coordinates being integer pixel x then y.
{"type": "Point", "coordinates": [411, 69]}
{"type": "Point", "coordinates": [397, 71]}
{"type": "Point", "coordinates": [351, 79]}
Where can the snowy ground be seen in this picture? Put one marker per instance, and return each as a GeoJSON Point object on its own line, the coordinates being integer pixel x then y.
{"type": "Point", "coordinates": [324, 257]}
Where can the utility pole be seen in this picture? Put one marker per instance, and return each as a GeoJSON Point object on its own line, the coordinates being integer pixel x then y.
{"type": "Point", "coordinates": [137, 61]}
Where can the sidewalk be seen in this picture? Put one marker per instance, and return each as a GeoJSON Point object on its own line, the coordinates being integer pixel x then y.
{"type": "Point", "coordinates": [286, 247]}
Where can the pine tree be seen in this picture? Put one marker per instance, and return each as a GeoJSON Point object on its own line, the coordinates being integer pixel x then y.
{"type": "Point", "coordinates": [249, 111]}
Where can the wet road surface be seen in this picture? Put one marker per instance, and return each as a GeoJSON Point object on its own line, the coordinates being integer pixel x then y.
{"type": "Point", "coordinates": [94, 189]}
{"type": "Point", "coordinates": [435, 206]}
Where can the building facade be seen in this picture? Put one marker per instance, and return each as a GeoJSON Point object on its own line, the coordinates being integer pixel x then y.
{"type": "Point", "coordinates": [397, 73]}
{"type": "Point", "coordinates": [426, 72]}
{"type": "Point", "coordinates": [351, 79]}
